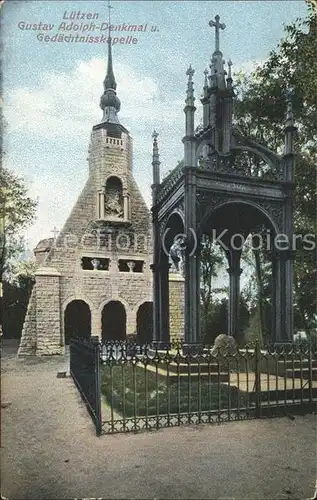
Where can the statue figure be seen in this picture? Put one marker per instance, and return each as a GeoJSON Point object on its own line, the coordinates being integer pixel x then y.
{"type": "Point", "coordinates": [95, 263]}
{"type": "Point", "coordinates": [131, 265]}
{"type": "Point", "coordinates": [113, 205]}
{"type": "Point", "coordinates": [176, 255]}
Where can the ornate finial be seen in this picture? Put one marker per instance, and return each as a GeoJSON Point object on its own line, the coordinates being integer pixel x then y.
{"type": "Point", "coordinates": [212, 65]}
{"type": "Point", "coordinates": [223, 67]}
{"type": "Point", "coordinates": [206, 77]}
{"type": "Point", "coordinates": [289, 129]}
{"type": "Point", "coordinates": [213, 72]}
{"type": "Point", "coordinates": [155, 135]}
{"type": "Point", "coordinates": [155, 159]}
{"type": "Point", "coordinates": [218, 26]}
{"type": "Point", "coordinates": [190, 87]}
{"type": "Point", "coordinates": [289, 114]}
{"type": "Point", "coordinates": [229, 68]}
{"type": "Point", "coordinates": [190, 72]}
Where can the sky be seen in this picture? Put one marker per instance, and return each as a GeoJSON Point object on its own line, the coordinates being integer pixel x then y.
{"type": "Point", "coordinates": [51, 90]}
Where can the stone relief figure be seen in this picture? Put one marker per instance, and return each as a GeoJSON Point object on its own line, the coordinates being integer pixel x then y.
{"type": "Point", "coordinates": [113, 199]}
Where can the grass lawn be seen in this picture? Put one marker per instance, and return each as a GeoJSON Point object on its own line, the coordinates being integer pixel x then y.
{"type": "Point", "coordinates": [132, 390]}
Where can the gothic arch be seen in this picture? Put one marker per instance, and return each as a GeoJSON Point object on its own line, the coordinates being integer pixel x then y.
{"type": "Point", "coordinates": [172, 226]}
{"type": "Point", "coordinates": [208, 214]}
{"type": "Point", "coordinates": [246, 143]}
{"type": "Point", "coordinates": [241, 143]}
{"type": "Point", "coordinates": [231, 167]}
{"type": "Point", "coordinates": [206, 141]}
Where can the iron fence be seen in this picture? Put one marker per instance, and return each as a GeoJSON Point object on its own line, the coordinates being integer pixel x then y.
{"type": "Point", "coordinates": [143, 387]}
{"type": "Point", "coordinates": [85, 371]}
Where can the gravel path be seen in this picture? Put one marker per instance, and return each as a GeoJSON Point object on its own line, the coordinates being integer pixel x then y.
{"type": "Point", "coordinates": [50, 451]}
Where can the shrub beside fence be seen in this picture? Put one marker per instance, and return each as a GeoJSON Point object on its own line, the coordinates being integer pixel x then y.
{"type": "Point", "coordinates": [141, 387]}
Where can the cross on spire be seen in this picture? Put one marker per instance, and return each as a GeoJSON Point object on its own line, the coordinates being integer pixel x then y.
{"type": "Point", "coordinates": [55, 231]}
{"type": "Point", "coordinates": [218, 26]}
{"type": "Point", "coordinates": [109, 16]}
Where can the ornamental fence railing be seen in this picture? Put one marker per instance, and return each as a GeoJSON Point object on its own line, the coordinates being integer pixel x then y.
{"type": "Point", "coordinates": [134, 387]}
{"type": "Point", "coordinates": [85, 371]}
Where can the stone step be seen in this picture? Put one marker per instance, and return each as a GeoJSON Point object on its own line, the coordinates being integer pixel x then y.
{"type": "Point", "coordinates": [290, 364]}
{"type": "Point", "coordinates": [192, 368]}
{"type": "Point", "coordinates": [304, 373]}
{"type": "Point", "coordinates": [194, 377]}
{"type": "Point", "coordinates": [282, 395]}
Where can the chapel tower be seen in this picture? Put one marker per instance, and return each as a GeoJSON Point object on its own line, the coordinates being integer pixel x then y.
{"type": "Point", "coordinates": [95, 277]}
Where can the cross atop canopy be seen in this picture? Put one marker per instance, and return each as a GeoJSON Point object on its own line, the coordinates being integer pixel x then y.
{"type": "Point", "coordinates": [219, 26]}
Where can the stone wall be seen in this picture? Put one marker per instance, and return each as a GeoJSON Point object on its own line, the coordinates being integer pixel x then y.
{"type": "Point", "coordinates": [44, 328]}
{"type": "Point", "coordinates": [28, 338]}
{"type": "Point", "coordinates": [48, 317]}
{"type": "Point", "coordinates": [176, 306]}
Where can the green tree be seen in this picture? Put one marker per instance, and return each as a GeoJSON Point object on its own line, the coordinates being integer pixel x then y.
{"type": "Point", "coordinates": [260, 114]}
{"type": "Point", "coordinates": [16, 294]}
{"type": "Point", "coordinates": [211, 260]}
{"type": "Point", "coordinates": [17, 212]}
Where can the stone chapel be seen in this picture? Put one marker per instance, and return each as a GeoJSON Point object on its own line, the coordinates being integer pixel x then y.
{"type": "Point", "coordinates": [95, 277]}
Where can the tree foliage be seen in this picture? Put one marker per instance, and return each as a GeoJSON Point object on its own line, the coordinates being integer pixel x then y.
{"type": "Point", "coordinates": [17, 212]}
{"type": "Point", "coordinates": [260, 113]}
{"type": "Point", "coordinates": [16, 294]}
{"type": "Point", "coordinates": [211, 259]}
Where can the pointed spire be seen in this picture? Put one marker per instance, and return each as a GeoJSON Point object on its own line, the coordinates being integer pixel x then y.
{"type": "Point", "coordinates": [213, 73]}
{"type": "Point", "coordinates": [189, 111]}
{"type": "Point", "coordinates": [110, 81]}
{"type": "Point", "coordinates": [109, 102]}
{"type": "Point", "coordinates": [206, 78]}
{"type": "Point", "coordinates": [227, 112]}
{"type": "Point", "coordinates": [206, 85]}
{"type": "Point", "coordinates": [155, 159]}
{"type": "Point", "coordinates": [190, 98]}
{"type": "Point", "coordinates": [222, 75]}
{"type": "Point", "coordinates": [229, 79]}
{"type": "Point", "coordinates": [289, 122]}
